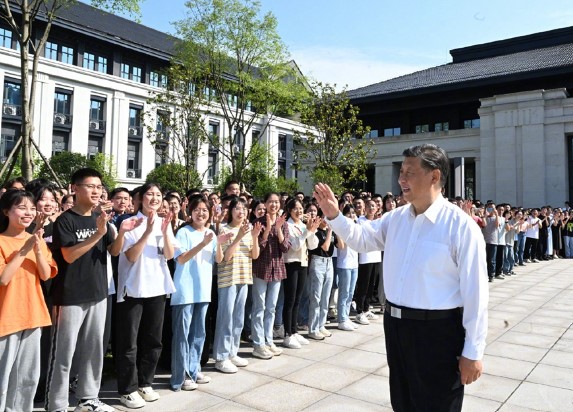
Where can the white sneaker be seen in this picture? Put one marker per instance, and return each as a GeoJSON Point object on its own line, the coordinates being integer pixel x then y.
{"type": "Point", "coordinates": [226, 366]}
{"type": "Point", "coordinates": [362, 319]}
{"type": "Point", "coordinates": [262, 352]}
{"type": "Point", "coordinates": [279, 333]}
{"type": "Point", "coordinates": [148, 394]}
{"type": "Point", "coordinates": [94, 405]}
{"type": "Point", "coordinates": [346, 325]}
{"type": "Point", "coordinates": [325, 332]}
{"type": "Point", "coordinates": [189, 385]}
{"type": "Point", "coordinates": [316, 335]}
{"type": "Point", "coordinates": [237, 361]}
{"type": "Point", "coordinates": [370, 315]}
{"type": "Point", "coordinates": [132, 400]}
{"type": "Point", "coordinates": [274, 349]}
{"type": "Point", "coordinates": [301, 339]}
{"type": "Point", "coordinates": [202, 379]}
{"type": "Point", "coordinates": [291, 342]}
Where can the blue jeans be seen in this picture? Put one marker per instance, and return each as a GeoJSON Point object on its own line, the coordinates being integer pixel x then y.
{"type": "Point", "coordinates": [188, 339]}
{"type": "Point", "coordinates": [265, 295]}
{"type": "Point", "coordinates": [280, 307]}
{"type": "Point", "coordinates": [320, 273]}
{"type": "Point", "coordinates": [303, 304]}
{"type": "Point", "coordinates": [229, 325]}
{"type": "Point", "coordinates": [508, 262]}
{"type": "Point", "coordinates": [346, 283]}
{"type": "Point", "coordinates": [568, 243]}
{"type": "Point", "coordinates": [520, 247]}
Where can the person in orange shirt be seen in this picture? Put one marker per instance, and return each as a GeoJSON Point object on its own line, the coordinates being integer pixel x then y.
{"type": "Point", "coordinates": [24, 260]}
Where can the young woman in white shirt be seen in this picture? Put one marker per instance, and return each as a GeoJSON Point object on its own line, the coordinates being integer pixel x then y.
{"type": "Point", "coordinates": [144, 282]}
{"type": "Point", "coordinates": [302, 238]}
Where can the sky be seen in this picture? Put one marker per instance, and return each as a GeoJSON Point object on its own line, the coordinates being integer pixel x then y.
{"type": "Point", "coordinates": [356, 43]}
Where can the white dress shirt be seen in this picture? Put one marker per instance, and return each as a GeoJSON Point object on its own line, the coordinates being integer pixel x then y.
{"type": "Point", "coordinates": [435, 260]}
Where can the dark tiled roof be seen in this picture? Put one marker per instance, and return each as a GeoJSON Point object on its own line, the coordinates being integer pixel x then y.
{"type": "Point", "coordinates": [560, 56]}
{"type": "Point", "coordinates": [115, 29]}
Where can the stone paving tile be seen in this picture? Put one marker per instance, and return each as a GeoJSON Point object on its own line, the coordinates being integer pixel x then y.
{"type": "Point", "coordinates": [377, 345]}
{"type": "Point", "coordinates": [564, 345]}
{"type": "Point", "coordinates": [491, 387]}
{"type": "Point", "coordinates": [507, 368]}
{"type": "Point", "coordinates": [230, 385]}
{"type": "Point", "coordinates": [358, 360]}
{"type": "Point", "coordinates": [279, 365]}
{"type": "Point", "coordinates": [326, 377]}
{"type": "Point", "coordinates": [512, 351]}
{"type": "Point", "coordinates": [542, 398]}
{"type": "Point", "coordinates": [370, 390]}
{"type": "Point", "coordinates": [473, 404]}
{"type": "Point", "coordinates": [339, 403]}
{"type": "Point", "coordinates": [281, 396]}
{"type": "Point", "coordinates": [528, 339]}
{"type": "Point", "coordinates": [552, 376]}
{"type": "Point", "coordinates": [546, 320]}
{"type": "Point", "coordinates": [351, 339]}
{"type": "Point", "coordinates": [514, 408]}
{"type": "Point", "coordinates": [527, 327]}
{"type": "Point", "coordinates": [318, 351]}
{"type": "Point", "coordinates": [558, 358]}
{"type": "Point", "coordinates": [228, 406]}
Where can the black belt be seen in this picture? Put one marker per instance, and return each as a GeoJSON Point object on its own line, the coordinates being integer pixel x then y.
{"type": "Point", "coordinates": [420, 314]}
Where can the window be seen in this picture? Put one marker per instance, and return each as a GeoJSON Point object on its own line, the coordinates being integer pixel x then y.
{"type": "Point", "coordinates": [255, 136]}
{"type": "Point", "coordinates": [422, 128]}
{"type": "Point", "coordinates": [12, 93]}
{"type": "Point", "coordinates": [5, 38]}
{"type": "Point", "coordinates": [58, 52]}
{"type": "Point", "coordinates": [133, 170]}
{"type": "Point", "coordinates": [282, 154]}
{"type": "Point", "coordinates": [160, 154]}
{"type": "Point", "coordinates": [67, 55]}
{"type": "Point", "coordinates": [101, 64]}
{"type": "Point", "coordinates": [89, 61]}
{"type": "Point", "coordinates": [62, 103]}
{"type": "Point", "coordinates": [8, 138]}
{"type": "Point", "coordinates": [96, 109]}
{"type": "Point", "coordinates": [135, 130]}
{"type": "Point", "coordinates": [372, 134]}
{"type": "Point", "coordinates": [471, 124]}
{"type": "Point", "coordinates": [392, 131]}
{"type": "Point", "coordinates": [94, 146]}
{"type": "Point", "coordinates": [51, 51]}
{"type": "Point", "coordinates": [59, 143]}
{"type": "Point", "coordinates": [232, 100]}
{"type": "Point", "coordinates": [158, 80]}
{"type": "Point", "coordinates": [442, 127]}
{"type": "Point", "coordinates": [130, 72]}
{"type": "Point", "coordinates": [211, 167]}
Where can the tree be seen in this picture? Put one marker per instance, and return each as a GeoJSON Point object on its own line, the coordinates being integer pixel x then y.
{"type": "Point", "coordinates": [176, 123]}
{"type": "Point", "coordinates": [64, 165]}
{"type": "Point", "coordinates": [240, 70]}
{"type": "Point", "coordinates": [333, 149]}
{"type": "Point", "coordinates": [171, 176]}
{"type": "Point", "coordinates": [30, 20]}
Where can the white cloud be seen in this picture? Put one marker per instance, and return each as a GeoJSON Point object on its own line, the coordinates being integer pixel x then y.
{"type": "Point", "coordinates": [345, 66]}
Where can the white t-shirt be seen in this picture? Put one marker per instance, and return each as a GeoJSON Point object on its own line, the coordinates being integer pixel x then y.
{"type": "Point", "coordinates": [368, 257]}
{"type": "Point", "coordinates": [347, 258]}
{"type": "Point", "coordinates": [149, 275]}
{"type": "Point", "coordinates": [533, 230]}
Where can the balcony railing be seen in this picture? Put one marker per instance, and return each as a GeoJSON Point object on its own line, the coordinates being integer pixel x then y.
{"type": "Point", "coordinates": [97, 125]}
{"type": "Point", "coordinates": [135, 131]}
{"type": "Point", "coordinates": [11, 110]}
{"type": "Point", "coordinates": [133, 173]}
{"type": "Point", "coordinates": [62, 119]}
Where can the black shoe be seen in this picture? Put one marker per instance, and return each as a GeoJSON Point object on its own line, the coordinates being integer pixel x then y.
{"type": "Point", "coordinates": [500, 277]}
{"type": "Point", "coordinates": [490, 280]}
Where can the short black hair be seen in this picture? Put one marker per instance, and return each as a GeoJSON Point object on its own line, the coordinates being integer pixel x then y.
{"type": "Point", "coordinates": [118, 190]}
{"type": "Point", "coordinates": [432, 157]}
{"type": "Point", "coordinates": [81, 174]}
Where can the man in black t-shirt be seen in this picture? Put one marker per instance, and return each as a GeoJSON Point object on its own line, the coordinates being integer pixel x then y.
{"type": "Point", "coordinates": [81, 241]}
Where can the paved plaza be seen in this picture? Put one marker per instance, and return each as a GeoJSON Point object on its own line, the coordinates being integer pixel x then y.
{"type": "Point", "coordinates": [528, 362]}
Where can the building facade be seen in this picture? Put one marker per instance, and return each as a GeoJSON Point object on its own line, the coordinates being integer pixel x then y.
{"type": "Point", "coordinates": [501, 110]}
{"type": "Point", "coordinates": [96, 74]}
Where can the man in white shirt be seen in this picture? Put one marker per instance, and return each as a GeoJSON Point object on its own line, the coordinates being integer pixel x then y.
{"type": "Point", "coordinates": [434, 265]}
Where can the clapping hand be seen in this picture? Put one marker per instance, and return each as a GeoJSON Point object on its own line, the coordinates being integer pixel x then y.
{"type": "Point", "coordinates": [224, 237]}
{"type": "Point", "coordinates": [166, 220]}
{"type": "Point", "coordinates": [129, 224]}
{"type": "Point", "coordinates": [280, 221]}
{"type": "Point", "coordinates": [244, 229]}
{"type": "Point", "coordinates": [101, 222]}
{"type": "Point", "coordinates": [312, 224]}
{"type": "Point", "coordinates": [256, 230]}
{"type": "Point", "coordinates": [209, 235]}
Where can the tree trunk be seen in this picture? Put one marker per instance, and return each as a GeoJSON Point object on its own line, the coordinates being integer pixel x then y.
{"type": "Point", "coordinates": [26, 128]}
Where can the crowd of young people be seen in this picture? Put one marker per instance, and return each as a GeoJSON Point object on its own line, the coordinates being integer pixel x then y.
{"type": "Point", "coordinates": [190, 275]}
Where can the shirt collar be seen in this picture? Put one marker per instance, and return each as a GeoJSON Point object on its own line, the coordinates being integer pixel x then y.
{"type": "Point", "coordinates": [431, 213]}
